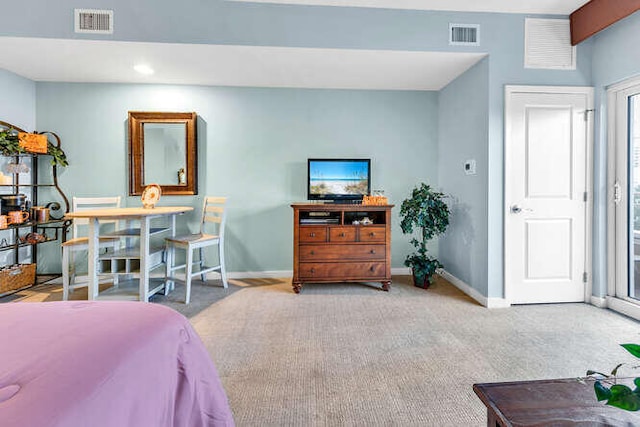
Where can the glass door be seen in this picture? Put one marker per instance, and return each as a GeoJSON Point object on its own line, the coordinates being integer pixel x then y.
{"type": "Point", "coordinates": [633, 223]}
{"type": "Point", "coordinates": [624, 213]}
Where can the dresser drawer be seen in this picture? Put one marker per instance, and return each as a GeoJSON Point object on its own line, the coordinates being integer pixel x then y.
{"type": "Point", "coordinates": [342, 234]}
{"type": "Point", "coordinates": [372, 234]}
{"type": "Point", "coordinates": [342, 252]}
{"type": "Point", "coordinates": [342, 270]}
{"type": "Point", "coordinates": [313, 234]}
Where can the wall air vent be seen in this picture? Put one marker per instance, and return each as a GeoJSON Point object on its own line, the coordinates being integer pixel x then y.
{"type": "Point", "coordinates": [464, 34]}
{"type": "Point", "coordinates": [547, 44]}
{"type": "Point", "coordinates": [93, 21]}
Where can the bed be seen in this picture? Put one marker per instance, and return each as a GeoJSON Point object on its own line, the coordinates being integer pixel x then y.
{"type": "Point", "coordinates": [105, 363]}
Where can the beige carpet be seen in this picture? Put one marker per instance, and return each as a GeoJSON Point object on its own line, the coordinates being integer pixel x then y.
{"type": "Point", "coordinates": [352, 355]}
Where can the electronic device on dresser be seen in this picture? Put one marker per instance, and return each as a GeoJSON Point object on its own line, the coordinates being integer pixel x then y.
{"type": "Point", "coordinates": [338, 180]}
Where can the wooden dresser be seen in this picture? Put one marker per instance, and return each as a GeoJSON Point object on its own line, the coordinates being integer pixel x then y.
{"type": "Point", "coordinates": [331, 244]}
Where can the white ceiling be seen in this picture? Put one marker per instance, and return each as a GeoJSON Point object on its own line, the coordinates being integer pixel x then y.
{"type": "Point", "coordinates": [107, 61]}
{"type": "Point", "coordinates": [59, 60]}
{"type": "Point", "coordinates": [558, 7]}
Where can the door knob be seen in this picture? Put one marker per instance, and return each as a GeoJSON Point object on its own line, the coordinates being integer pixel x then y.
{"type": "Point", "coordinates": [517, 209]}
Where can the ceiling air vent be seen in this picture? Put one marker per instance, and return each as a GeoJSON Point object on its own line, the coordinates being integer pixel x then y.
{"type": "Point", "coordinates": [94, 21]}
{"type": "Point", "coordinates": [464, 34]}
{"type": "Point", "coordinates": [547, 44]}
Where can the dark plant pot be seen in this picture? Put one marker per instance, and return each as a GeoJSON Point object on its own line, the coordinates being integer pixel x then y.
{"type": "Point", "coordinates": [421, 280]}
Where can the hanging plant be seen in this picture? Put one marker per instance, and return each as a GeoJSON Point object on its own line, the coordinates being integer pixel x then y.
{"type": "Point", "coordinates": [58, 157]}
{"type": "Point", "coordinates": [10, 146]}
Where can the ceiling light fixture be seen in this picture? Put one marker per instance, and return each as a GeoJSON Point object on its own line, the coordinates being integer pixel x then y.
{"type": "Point", "coordinates": [144, 69]}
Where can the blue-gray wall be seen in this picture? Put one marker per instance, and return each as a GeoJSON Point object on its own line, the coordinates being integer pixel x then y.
{"type": "Point", "coordinates": [463, 135]}
{"type": "Point", "coordinates": [228, 22]}
{"type": "Point", "coordinates": [17, 100]}
{"type": "Point", "coordinates": [615, 58]}
{"type": "Point", "coordinates": [253, 147]}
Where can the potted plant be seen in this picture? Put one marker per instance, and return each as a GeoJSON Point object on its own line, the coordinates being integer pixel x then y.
{"type": "Point", "coordinates": [619, 395]}
{"type": "Point", "coordinates": [9, 146]}
{"type": "Point", "coordinates": [426, 213]}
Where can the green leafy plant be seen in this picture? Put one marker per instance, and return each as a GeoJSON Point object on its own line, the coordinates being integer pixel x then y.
{"type": "Point", "coordinates": [618, 395]}
{"type": "Point", "coordinates": [9, 142]}
{"type": "Point", "coordinates": [10, 146]}
{"type": "Point", "coordinates": [58, 157]}
{"type": "Point", "coordinates": [426, 213]}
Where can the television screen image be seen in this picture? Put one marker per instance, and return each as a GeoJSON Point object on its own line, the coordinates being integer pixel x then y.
{"type": "Point", "coordinates": [338, 179]}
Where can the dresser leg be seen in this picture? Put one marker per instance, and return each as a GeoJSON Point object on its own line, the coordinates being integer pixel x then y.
{"type": "Point", "coordinates": [385, 286]}
{"type": "Point", "coordinates": [297, 286]}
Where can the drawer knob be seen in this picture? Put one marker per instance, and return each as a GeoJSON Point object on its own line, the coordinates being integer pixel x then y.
{"type": "Point", "coordinates": [372, 251]}
{"type": "Point", "coordinates": [371, 268]}
{"type": "Point", "coordinates": [313, 270]}
{"type": "Point", "coordinates": [313, 252]}
{"type": "Point", "coordinates": [372, 234]}
{"type": "Point", "coordinates": [342, 234]}
{"type": "Point", "coordinates": [312, 234]}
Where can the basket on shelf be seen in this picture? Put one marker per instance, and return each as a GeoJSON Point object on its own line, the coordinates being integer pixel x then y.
{"type": "Point", "coordinates": [17, 276]}
{"type": "Point", "coordinates": [374, 200]}
{"type": "Point", "coordinates": [33, 142]}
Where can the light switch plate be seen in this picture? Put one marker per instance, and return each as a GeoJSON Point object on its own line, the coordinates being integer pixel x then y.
{"type": "Point", "coordinates": [470, 167]}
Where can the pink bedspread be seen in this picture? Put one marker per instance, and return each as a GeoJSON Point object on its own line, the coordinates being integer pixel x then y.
{"type": "Point", "coordinates": [84, 363]}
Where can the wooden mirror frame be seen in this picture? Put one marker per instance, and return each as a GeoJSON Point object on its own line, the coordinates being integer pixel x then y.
{"type": "Point", "coordinates": [137, 120]}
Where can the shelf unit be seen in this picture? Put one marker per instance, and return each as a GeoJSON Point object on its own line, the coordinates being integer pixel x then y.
{"type": "Point", "coordinates": [126, 256]}
{"type": "Point", "coordinates": [126, 261]}
{"type": "Point", "coordinates": [14, 249]}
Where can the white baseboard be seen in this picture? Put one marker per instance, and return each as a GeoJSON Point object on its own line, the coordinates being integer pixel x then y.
{"type": "Point", "coordinates": [401, 271]}
{"type": "Point", "coordinates": [275, 274]}
{"type": "Point", "coordinates": [625, 307]}
{"type": "Point", "coordinates": [599, 302]}
{"type": "Point", "coordinates": [467, 289]}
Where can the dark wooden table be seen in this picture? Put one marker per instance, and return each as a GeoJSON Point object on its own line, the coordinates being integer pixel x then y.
{"type": "Point", "coordinates": [561, 402]}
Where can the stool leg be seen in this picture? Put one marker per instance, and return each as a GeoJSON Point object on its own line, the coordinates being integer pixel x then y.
{"type": "Point", "coordinates": [223, 270]}
{"type": "Point", "coordinates": [167, 269]}
{"type": "Point", "coordinates": [203, 276]}
{"type": "Point", "coordinates": [65, 274]}
{"type": "Point", "coordinates": [114, 267]}
{"type": "Point", "coordinates": [188, 270]}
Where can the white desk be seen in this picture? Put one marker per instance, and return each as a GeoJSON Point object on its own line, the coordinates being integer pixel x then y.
{"type": "Point", "coordinates": [144, 216]}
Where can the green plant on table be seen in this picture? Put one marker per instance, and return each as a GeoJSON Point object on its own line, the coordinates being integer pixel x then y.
{"type": "Point", "coordinates": [618, 395]}
{"type": "Point", "coordinates": [426, 213]}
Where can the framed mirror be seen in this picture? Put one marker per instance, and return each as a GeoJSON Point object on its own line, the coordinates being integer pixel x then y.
{"type": "Point", "coordinates": [162, 150]}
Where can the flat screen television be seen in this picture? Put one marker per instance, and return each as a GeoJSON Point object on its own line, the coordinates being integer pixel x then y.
{"type": "Point", "coordinates": [338, 180]}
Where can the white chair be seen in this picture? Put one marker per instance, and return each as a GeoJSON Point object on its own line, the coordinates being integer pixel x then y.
{"type": "Point", "coordinates": [79, 243]}
{"type": "Point", "coordinates": [214, 212]}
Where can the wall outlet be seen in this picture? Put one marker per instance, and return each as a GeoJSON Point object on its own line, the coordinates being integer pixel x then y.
{"type": "Point", "coordinates": [470, 167]}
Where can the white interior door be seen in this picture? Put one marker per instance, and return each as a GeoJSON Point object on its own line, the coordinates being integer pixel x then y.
{"type": "Point", "coordinates": [547, 142]}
